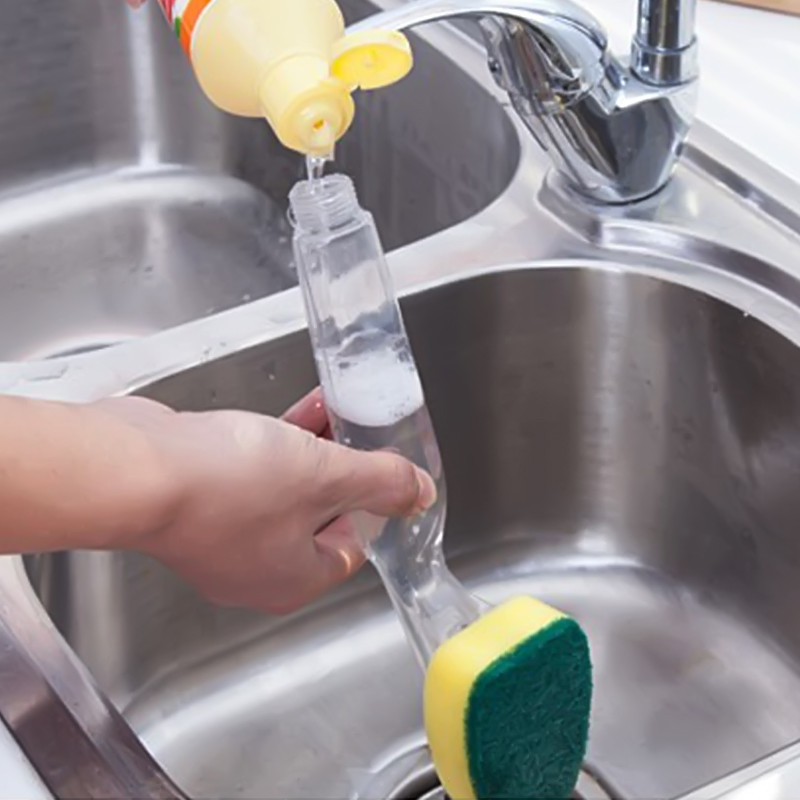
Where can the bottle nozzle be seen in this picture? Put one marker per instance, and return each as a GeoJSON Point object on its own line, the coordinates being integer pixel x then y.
{"type": "Point", "coordinates": [319, 125]}
{"type": "Point", "coordinates": [308, 110]}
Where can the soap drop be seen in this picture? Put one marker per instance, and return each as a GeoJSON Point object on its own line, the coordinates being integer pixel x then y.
{"type": "Point", "coordinates": [315, 166]}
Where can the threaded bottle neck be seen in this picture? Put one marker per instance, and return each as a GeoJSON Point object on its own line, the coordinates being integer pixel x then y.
{"type": "Point", "coordinates": [324, 204]}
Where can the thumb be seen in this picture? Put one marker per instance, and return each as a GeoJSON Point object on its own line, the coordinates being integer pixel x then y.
{"type": "Point", "coordinates": [382, 483]}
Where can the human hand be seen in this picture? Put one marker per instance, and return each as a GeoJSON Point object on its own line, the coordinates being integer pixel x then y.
{"type": "Point", "coordinates": [259, 516]}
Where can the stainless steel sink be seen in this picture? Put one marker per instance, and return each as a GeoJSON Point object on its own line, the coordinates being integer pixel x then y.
{"type": "Point", "coordinates": [129, 205]}
{"type": "Point", "coordinates": [620, 446]}
{"type": "Point", "coordinates": [617, 395]}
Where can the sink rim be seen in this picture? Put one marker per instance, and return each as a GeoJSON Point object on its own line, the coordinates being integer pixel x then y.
{"type": "Point", "coordinates": [128, 366]}
{"type": "Point", "coordinates": [655, 237]}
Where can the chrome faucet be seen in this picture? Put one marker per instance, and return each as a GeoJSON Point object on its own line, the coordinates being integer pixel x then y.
{"type": "Point", "coordinates": [613, 130]}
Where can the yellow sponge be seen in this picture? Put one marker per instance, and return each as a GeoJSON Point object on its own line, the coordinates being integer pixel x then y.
{"type": "Point", "coordinates": [507, 704]}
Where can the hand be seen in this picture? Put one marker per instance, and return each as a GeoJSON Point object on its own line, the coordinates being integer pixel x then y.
{"type": "Point", "coordinates": [260, 517]}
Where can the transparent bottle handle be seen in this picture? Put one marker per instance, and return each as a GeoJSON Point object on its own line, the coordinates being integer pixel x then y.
{"type": "Point", "coordinates": [431, 603]}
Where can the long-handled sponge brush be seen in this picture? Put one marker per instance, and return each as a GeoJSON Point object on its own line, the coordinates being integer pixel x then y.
{"type": "Point", "coordinates": [508, 689]}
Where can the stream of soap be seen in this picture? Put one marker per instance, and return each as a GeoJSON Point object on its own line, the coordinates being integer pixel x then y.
{"type": "Point", "coordinates": [315, 166]}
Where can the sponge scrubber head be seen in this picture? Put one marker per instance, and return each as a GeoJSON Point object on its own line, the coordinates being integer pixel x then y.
{"type": "Point", "coordinates": [507, 703]}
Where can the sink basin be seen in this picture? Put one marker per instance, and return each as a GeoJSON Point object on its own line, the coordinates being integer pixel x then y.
{"type": "Point", "coordinates": [129, 205]}
{"type": "Point", "coordinates": [621, 446]}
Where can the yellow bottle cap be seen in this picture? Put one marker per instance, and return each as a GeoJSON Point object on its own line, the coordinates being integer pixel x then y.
{"type": "Point", "coordinates": [371, 59]}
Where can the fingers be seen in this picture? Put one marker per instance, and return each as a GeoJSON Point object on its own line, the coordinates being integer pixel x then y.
{"type": "Point", "coordinates": [257, 498]}
{"type": "Point", "coordinates": [380, 484]}
{"type": "Point", "coordinates": [383, 484]}
{"type": "Point", "coordinates": [373, 486]}
{"type": "Point", "coordinates": [309, 413]}
{"type": "Point", "coordinates": [319, 564]}
{"type": "Point", "coordinates": [339, 554]}
{"type": "Point", "coordinates": [389, 486]}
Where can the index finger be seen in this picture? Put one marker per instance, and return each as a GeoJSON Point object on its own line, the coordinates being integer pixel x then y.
{"type": "Point", "coordinates": [309, 413]}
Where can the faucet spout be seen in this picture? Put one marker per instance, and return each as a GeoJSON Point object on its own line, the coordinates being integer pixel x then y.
{"type": "Point", "coordinates": [551, 48]}
{"type": "Point", "coordinates": [613, 132]}
{"type": "Point", "coordinates": [418, 12]}
{"type": "Point", "coordinates": [664, 51]}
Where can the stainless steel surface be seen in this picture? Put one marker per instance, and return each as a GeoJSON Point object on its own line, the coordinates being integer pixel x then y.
{"type": "Point", "coordinates": [614, 133]}
{"type": "Point", "coordinates": [617, 394]}
{"type": "Point", "coordinates": [74, 737]}
{"type": "Point", "coordinates": [773, 778]}
{"type": "Point", "coordinates": [129, 205]}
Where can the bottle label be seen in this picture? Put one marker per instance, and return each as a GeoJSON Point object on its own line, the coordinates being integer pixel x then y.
{"type": "Point", "coordinates": [182, 15]}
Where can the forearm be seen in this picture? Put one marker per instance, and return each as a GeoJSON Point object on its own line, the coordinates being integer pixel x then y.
{"type": "Point", "coordinates": [73, 476]}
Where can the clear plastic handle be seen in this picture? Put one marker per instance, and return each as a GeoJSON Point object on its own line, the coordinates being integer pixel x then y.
{"type": "Point", "coordinates": [375, 398]}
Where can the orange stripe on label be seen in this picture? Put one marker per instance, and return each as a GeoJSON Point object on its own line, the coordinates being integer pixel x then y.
{"type": "Point", "coordinates": [188, 22]}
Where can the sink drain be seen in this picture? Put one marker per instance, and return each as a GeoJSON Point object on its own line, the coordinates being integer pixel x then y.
{"type": "Point", "coordinates": [425, 786]}
{"type": "Point", "coordinates": [408, 774]}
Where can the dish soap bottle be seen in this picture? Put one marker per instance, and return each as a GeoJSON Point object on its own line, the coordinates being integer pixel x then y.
{"type": "Point", "coordinates": [288, 61]}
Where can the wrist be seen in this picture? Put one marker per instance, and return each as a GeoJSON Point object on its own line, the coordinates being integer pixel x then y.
{"type": "Point", "coordinates": [82, 476]}
{"type": "Point", "coordinates": [142, 496]}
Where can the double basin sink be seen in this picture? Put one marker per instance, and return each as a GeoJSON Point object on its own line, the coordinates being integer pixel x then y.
{"type": "Point", "coordinates": [616, 393]}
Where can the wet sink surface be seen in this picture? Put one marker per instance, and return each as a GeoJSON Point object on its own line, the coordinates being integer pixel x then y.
{"type": "Point", "coordinates": [622, 447]}
{"type": "Point", "coordinates": [128, 204]}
